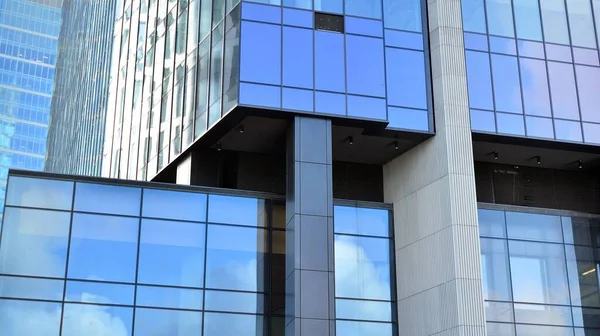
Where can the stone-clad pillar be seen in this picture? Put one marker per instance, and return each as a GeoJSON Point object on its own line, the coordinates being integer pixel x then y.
{"type": "Point", "coordinates": [432, 188]}
{"type": "Point", "coordinates": [309, 237]}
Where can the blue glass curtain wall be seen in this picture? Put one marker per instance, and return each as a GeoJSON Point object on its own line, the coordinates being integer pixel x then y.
{"type": "Point", "coordinates": [376, 69]}
{"type": "Point", "coordinates": [99, 258]}
{"type": "Point", "coordinates": [540, 272]}
{"type": "Point", "coordinates": [533, 68]}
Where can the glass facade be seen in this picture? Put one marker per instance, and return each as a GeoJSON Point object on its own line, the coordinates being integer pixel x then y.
{"type": "Point", "coordinates": [533, 68]}
{"type": "Point", "coordinates": [28, 46]}
{"type": "Point", "coordinates": [179, 66]}
{"type": "Point", "coordinates": [134, 259]}
{"type": "Point", "coordinates": [80, 96]}
{"type": "Point", "coordinates": [540, 272]}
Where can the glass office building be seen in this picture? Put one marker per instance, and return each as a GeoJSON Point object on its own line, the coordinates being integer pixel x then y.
{"type": "Point", "coordinates": [472, 123]}
{"type": "Point", "coordinates": [80, 97]}
{"type": "Point", "coordinates": [106, 258]}
{"type": "Point", "coordinates": [28, 46]}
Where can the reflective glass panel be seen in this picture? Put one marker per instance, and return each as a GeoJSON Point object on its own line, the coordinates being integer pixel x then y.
{"type": "Point", "coordinates": [405, 78]}
{"type": "Point", "coordinates": [586, 317]}
{"type": "Point", "coordinates": [408, 118]}
{"type": "Point", "coordinates": [176, 298]}
{"type": "Point", "coordinates": [260, 53]}
{"type": "Point", "coordinates": [510, 124]}
{"type": "Point", "coordinates": [366, 107]}
{"type": "Point", "coordinates": [539, 127]}
{"type": "Point", "coordinates": [581, 23]}
{"type": "Point", "coordinates": [403, 15]}
{"type": "Point", "coordinates": [363, 310]}
{"type": "Point", "coordinates": [299, 18]}
{"type": "Point", "coordinates": [172, 253]}
{"type": "Point", "coordinates": [19, 318]}
{"type": "Point", "coordinates": [483, 121]}
{"type": "Point", "coordinates": [298, 3]}
{"type": "Point", "coordinates": [365, 68]}
{"type": "Point", "coordinates": [539, 314]}
{"type": "Point", "coordinates": [235, 302]}
{"type": "Point", "coordinates": [507, 87]}
{"type": "Point", "coordinates": [568, 130]}
{"type": "Point", "coordinates": [167, 322]}
{"type": "Point", "coordinates": [174, 205]}
{"type": "Point", "coordinates": [330, 103]}
{"type": "Point", "coordinates": [330, 67]}
{"type": "Point", "coordinates": [582, 267]}
{"type": "Point", "coordinates": [491, 223]}
{"type": "Point", "coordinates": [581, 231]}
{"type": "Point", "coordinates": [333, 6]}
{"type": "Point", "coordinates": [500, 329]}
{"type": "Point", "coordinates": [361, 221]}
{"type": "Point", "coordinates": [104, 198]}
{"type": "Point", "coordinates": [555, 21]}
{"type": "Point", "coordinates": [533, 227]}
{"type": "Point", "coordinates": [360, 26]}
{"type": "Point", "coordinates": [103, 248]}
{"type": "Point", "coordinates": [588, 85]}
{"type": "Point", "coordinates": [297, 99]}
{"type": "Point", "coordinates": [362, 267]}
{"type": "Point", "coordinates": [538, 272]}
{"type": "Point", "coordinates": [364, 8]}
{"type": "Point", "coordinates": [591, 133]}
{"type": "Point", "coordinates": [535, 87]}
{"type": "Point", "coordinates": [97, 292]}
{"type": "Point", "coordinates": [297, 57]}
{"type": "Point", "coordinates": [527, 20]}
{"type": "Point", "coordinates": [260, 95]}
{"type": "Point", "coordinates": [494, 269]}
{"type": "Point", "coordinates": [473, 13]}
{"type": "Point", "coordinates": [531, 49]}
{"type": "Point", "coordinates": [500, 17]}
{"type": "Point", "coordinates": [80, 319]}
{"type": "Point", "coordinates": [499, 311]}
{"type": "Point", "coordinates": [351, 328]}
{"type": "Point", "coordinates": [34, 242]}
{"type": "Point", "coordinates": [232, 324]}
{"type": "Point", "coordinates": [479, 80]}
{"type": "Point", "coordinates": [537, 330]}
{"type": "Point", "coordinates": [248, 211]}
{"type": "Point", "coordinates": [30, 288]}
{"type": "Point", "coordinates": [235, 258]}
{"type": "Point", "coordinates": [22, 191]}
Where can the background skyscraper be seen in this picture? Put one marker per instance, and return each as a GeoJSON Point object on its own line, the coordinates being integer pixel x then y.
{"type": "Point", "coordinates": [28, 51]}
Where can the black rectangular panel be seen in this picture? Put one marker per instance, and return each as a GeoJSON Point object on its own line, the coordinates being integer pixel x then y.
{"type": "Point", "coordinates": [330, 22]}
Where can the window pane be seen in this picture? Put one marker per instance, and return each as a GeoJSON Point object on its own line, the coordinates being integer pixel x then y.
{"type": "Point", "coordinates": [363, 310]}
{"type": "Point", "coordinates": [365, 8]}
{"type": "Point", "coordinates": [568, 130]}
{"type": "Point", "coordinates": [330, 103]}
{"type": "Point", "coordinates": [483, 121]}
{"type": "Point", "coordinates": [33, 193]}
{"type": "Point", "coordinates": [19, 318]}
{"type": "Point", "coordinates": [494, 270]}
{"type": "Point", "coordinates": [510, 124]}
{"type": "Point", "coordinates": [167, 322]}
{"type": "Point", "coordinates": [362, 268]}
{"type": "Point", "coordinates": [531, 49]}
{"type": "Point", "coordinates": [591, 133]}
{"type": "Point", "coordinates": [107, 199]}
{"type": "Point", "coordinates": [534, 227]}
{"type": "Point", "coordinates": [235, 302]}
{"type": "Point", "coordinates": [404, 15]}
{"type": "Point", "coordinates": [361, 221]}
{"type": "Point", "coordinates": [533, 330]}
{"type": "Point", "coordinates": [491, 223]}
{"type": "Point", "coordinates": [538, 272]}
{"type": "Point", "coordinates": [263, 13]}
{"type": "Point", "coordinates": [172, 253]}
{"type": "Point", "coordinates": [330, 68]}
{"type": "Point", "coordinates": [260, 95]}
{"type": "Point", "coordinates": [34, 242]}
{"type": "Point", "coordinates": [297, 57]}
{"type": "Point", "coordinates": [174, 205]}
{"type": "Point", "coordinates": [103, 248]}
{"type": "Point", "coordinates": [503, 45]}
{"type": "Point", "coordinates": [500, 329]}
{"type": "Point", "coordinates": [176, 298]}
{"type": "Point", "coordinates": [406, 78]}
{"type": "Point", "coordinates": [365, 69]}
{"type": "Point", "coordinates": [30, 288]}
{"type": "Point", "coordinates": [555, 21]}
{"type": "Point", "coordinates": [307, 4]}
{"type": "Point", "coordinates": [297, 99]}
{"type": "Point", "coordinates": [333, 6]}
{"type": "Point", "coordinates": [582, 265]}
{"type": "Point", "coordinates": [581, 231]}
{"type": "Point", "coordinates": [527, 20]}
{"type": "Point", "coordinates": [539, 314]}
{"type": "Point", "coordinates": [581, 23]}
{"type": "Point", "coordinates": [588, 84]}
{"type": "Point", "coordinates": [500, 18]}
{"type": "Point", "coordinates": [248, 211]}
{"type": "Point", "coordinates": [408, 118]}
{"type": "Point", "coordinates": [507, 88]}
{"type": "Point", "coordinates": [97, 292]}
{"type": "Point", "coordinates": [473, 13]}
{"type": "Point", "coordinates": [349, 328]}
{"type": "Point", "coordinates": [366, 107]}
{"type": "Point", "coordinates": [82, 319]}
{"type": "Point", "coordinates": [235, 258]}
{"type": "Point", "coordinates": [476, 42]}
{"type": "Point", "coordinates": [539, 127]}
{"type": "Point", "coordinates": [479, 80]}
{"type": "Point", "coordinates": [365, 27]}
{"type": "Point", "coordinates": [232, 324]}
{"type": "Point", "coordinates": [499, 311]}
{"type": "Point", "coordinates": [298, 18]}
{"type": "Point", "coordinates": [260, 53]}
{"type": "Point", "coordinates": [559, 53]}
{"type": "Point", "coordinates": [564, 94]}
{"type": "Point", "coordinates": [535, 87]}
{"type": "Point", "coordinates": [586, 317]}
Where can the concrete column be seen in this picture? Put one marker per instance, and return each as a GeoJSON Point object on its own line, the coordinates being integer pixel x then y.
{"type": "Point", "coordinates": [309, 237]}
{"type": "Point", "coordinates": [432, 188]}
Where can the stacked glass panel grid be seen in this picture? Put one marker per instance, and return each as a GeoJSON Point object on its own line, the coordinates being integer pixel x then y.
{"type": "Point", "coordinates": [540, 272]}
{"type": "Point", "coordinates": [533, 68]}
{"type": "Point", "coordinates": [28, 46]}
